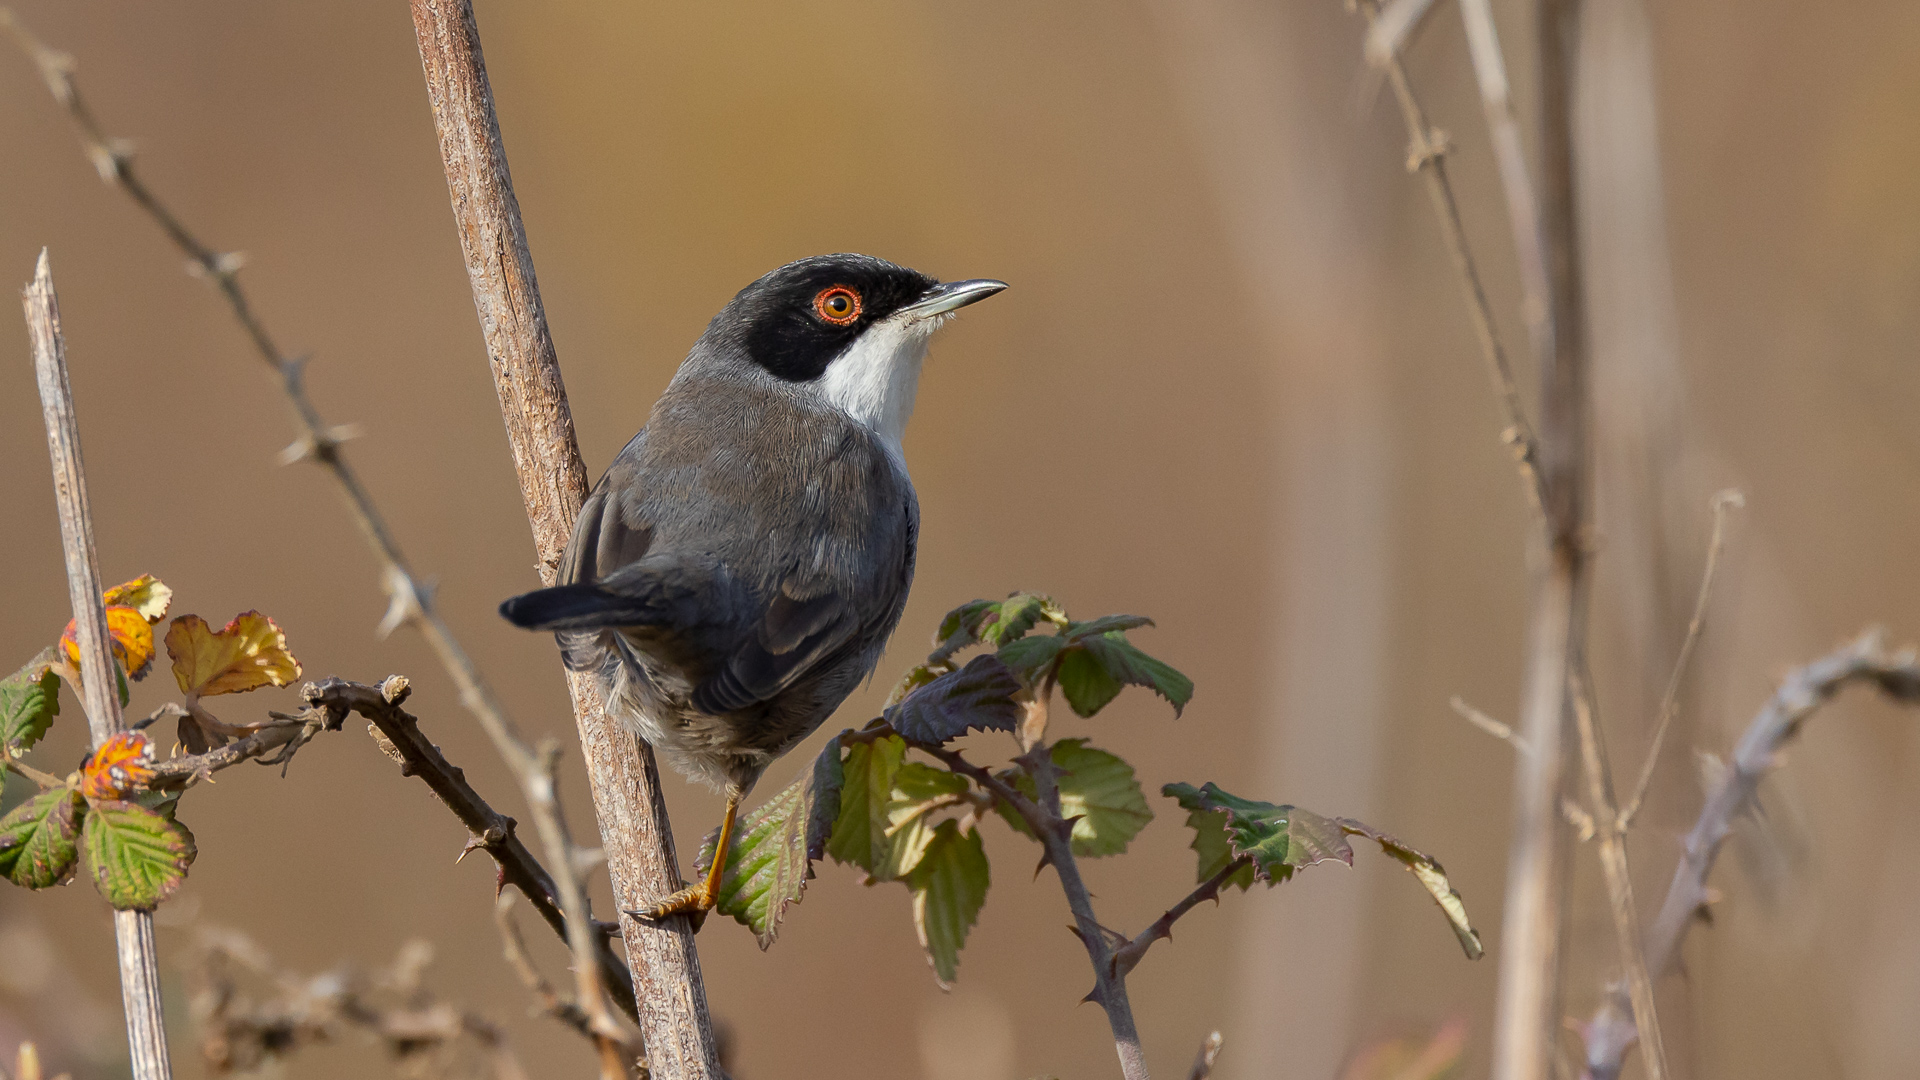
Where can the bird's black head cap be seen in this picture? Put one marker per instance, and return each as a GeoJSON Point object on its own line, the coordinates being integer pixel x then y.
{"type": "Point", "coordinates": [795, 320]}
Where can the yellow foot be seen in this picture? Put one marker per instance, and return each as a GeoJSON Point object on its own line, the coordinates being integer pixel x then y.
{"type": "Point", "coordinates": [692, 900]}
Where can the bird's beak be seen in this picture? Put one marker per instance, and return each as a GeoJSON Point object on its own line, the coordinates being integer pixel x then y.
{"type": "Point", "coordinates": [951, 297]}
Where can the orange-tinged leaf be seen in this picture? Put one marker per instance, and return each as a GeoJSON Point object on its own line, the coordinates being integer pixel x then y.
{"type": "Point", "coordinates": [120, 765]}
{"type": "Point", "coordinates": [132, 639]}
{"type": "Point", "coordinates": [250, 652]}
{"type": "Point", "coordinates": [145, 594]}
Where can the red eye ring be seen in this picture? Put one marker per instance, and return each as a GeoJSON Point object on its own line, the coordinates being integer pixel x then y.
{"type": "Point", "coordinates": [839, 305]}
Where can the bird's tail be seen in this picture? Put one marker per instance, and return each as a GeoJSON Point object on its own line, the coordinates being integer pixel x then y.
{"type": "Point", "coordinates": [576, 607]}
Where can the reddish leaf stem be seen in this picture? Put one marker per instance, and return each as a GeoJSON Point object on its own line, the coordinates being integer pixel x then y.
{"type": "Point", "coordinates": [1056, 838]}
{"type": "Point", "coordinates": [1130, 954]}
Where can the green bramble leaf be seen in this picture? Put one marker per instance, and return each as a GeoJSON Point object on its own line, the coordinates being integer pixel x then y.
{"type": "Point", "coordinates": [1031, 655]}
{"type": "Point", "coordinates": [1123, 662]}
{"type": "Point", "coordinates": [1106, 624]}
{"type": "Point", "coordinates": [949, 887]}
{"type": "Point", "coordinates": [860, 831]}
{"type": "Point", "coordinates": [29, 700]}
{"type": "Point", "coordinates": [1085, 682]}
{"type": "Point", "coordinates": [1098, 791]}
{"type": "Point", "coordinates": [978, 696]}
{"type": "Point", "coordinates": [1282, 839]}
{"type": "Point", "coordinates": [918, 790]}
{"type": "Point", "coordinates": [136, 857]}
{"type": "Point", "coordinates": [1013, 617]}
{"type": "Point", "coordinates": [960, 629]}
{"type": "Point", "coordinates": [991, 622]}
{"type": "Point", "coordinates": [774, 847]}
{"type": "Point", "coordinates": [38, 838]}
{"type": "Point", "coordinates": [1092, 662]}
{"type": "Point", "coordinates": [1210, 844]}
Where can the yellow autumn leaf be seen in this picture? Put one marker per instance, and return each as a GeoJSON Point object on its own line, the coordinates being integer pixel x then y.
{"type": "Point", "coordinates": [132, 641]}
{"type": "Point", "coordinates": [250, 652]}
{"type": "Point", "coordinates": [145, 594]}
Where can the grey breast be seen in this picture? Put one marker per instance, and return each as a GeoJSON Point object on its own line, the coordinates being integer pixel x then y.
{"type": "Point", "coordinates": [770, 541]}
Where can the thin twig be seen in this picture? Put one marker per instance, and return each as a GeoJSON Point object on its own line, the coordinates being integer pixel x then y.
{"type": "Point", "coordinates": [636, 835]}
{"type": "Point", "coordinates": [1127, 956]}
{"type": "Point", "coordinates": [1203, 1061]}
{"type": "Point", "coordinates": [1426, 155]}
{"type": "Point", "coordinates": [246, 1029]}
{"type": "Point", "coordinates": [42, 780]}
{"type": "Point", "coordinates": [1613, 866]}
{"type": "Point", "coordinates": [1670, 701]}
{"type": "Point", "coordinates": [1487, 724]}
{"type": "Point", "coordinates": [133, 930]}
{"type": "Point", "coordinates": [1523, 209]}
{"type": "Point", "coordinates": [410, 600]}
{"type": "Point", "coordinates": [1800, 695]}
{"type": "Point", "coordinates": [1388, 35]}
{"type": "Point", "coordinates": [282, 736]}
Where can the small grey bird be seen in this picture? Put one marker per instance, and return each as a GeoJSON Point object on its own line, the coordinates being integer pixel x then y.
{"type": "Point", "coordinates": [739, 568]}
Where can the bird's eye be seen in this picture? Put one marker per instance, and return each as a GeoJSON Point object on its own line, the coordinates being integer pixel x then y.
{"type": "Point", "coordinates": [839, 305]}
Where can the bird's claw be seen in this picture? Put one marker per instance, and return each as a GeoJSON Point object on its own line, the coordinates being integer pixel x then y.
{"type": "Point", "coordinates": [695, 900]}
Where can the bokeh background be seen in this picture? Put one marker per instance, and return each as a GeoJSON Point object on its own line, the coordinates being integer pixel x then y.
{"type": "Point", "coordinates": [1232, 387]}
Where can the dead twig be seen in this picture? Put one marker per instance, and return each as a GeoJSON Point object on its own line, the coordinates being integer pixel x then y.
{"type": "Point", "coordinates": [1203, 1061]}
{"type": "Point", "coordinates": [133, 930]}
{"type": "Point", "coordinates": [1613, 866]}
{"type": "Point", "coordinates": [1487, 724]}
{"type": "Point", "coordinates": [1426, 155]}
{"type": "Point", "coordinates": [282, 736]}
{"type": "Point", "coordinates": [251, 1013]}
{"type": "Point", "coordinates": [1864, 660]}
{"type": "Point", "coordinates": [1723, 502]}
{"type": "Point", "coordinates": [1523, 208]}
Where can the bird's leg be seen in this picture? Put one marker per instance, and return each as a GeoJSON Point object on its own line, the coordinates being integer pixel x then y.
{"type": "Point", "coordinates": [702, 897]}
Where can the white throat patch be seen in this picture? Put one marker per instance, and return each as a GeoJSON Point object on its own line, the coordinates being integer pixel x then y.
{"type": "Point", "coordinates": [875, 380]}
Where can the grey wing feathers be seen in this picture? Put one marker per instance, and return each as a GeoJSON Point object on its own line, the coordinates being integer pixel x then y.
{"type": "Point", "coordinates": [607, 535]}
{"type": "Point", "coordinates": [750, 577]}
{"type": "Point", "coordinates": [790, 638]}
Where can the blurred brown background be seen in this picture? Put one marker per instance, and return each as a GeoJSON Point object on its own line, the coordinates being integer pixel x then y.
{"type": "Point", "coordinates": [1232, 387]}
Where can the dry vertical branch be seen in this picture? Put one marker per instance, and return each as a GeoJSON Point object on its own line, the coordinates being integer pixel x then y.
{"type": "Point", "coordinates": [139, 966]}
{"type": "Point", "coordinates": [1527, 1016]}
{"type": "Point", "coordinates": [553, 482]}
{"type": "Point", "coordinates": [1554, 466]}
{"type": "Point", "coordinates": [1523, 209]}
